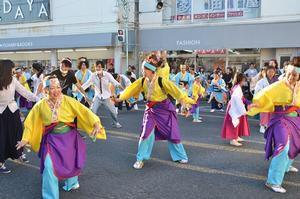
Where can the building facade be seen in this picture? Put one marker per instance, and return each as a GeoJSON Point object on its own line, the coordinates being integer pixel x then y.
{"type": "Point", "coordinates": [207, 33]}
{"type": "Point", "coordinates": [223, 33]}
{"type": "Point", "coordinates": [48, 30]}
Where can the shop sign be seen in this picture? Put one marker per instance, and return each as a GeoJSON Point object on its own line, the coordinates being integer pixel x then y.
{"type": "Point", "coordinates": [211, 52]}
{"type": "Point", "coordinates": [190, 42]}
{"type": "Point", "coordinates": [24, 11]}
{"type": "Point", "coordinates": [186, 10]}
{"type": "Point", "coordinates": [23, 44]}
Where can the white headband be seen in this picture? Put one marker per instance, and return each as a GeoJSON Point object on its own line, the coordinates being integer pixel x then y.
{"type": "Point", "coordinates": [293, 68]}
{"type": "Point", "coordinates": [48, 82]}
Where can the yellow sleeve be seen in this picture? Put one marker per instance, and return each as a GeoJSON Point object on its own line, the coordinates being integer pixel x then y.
{"type": "Point", "coordinates": [296, 97]}
{"type": "Point", "coordinates": [195, 92]}
{"type": "Point", "coordinates": [164, 72]}
{"type": "Point", "coordinates": [172, 89]}
{"type": "Point", "coordinates": [23, 81]}
{"type": "Point", "coordinates": [133, 89]}
{"type": "Point", "coordinates": [264, 102]}
{"type": "Point", "coordinates": [86, 119]}
{"type": "Point", "coordinates": [275, 94]}
{"type": "Point", "coordinates": [202, 90]}
{"type": "Point", "coordinates": [33, 127]}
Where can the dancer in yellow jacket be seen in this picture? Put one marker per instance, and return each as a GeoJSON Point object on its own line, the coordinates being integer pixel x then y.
{"type": "Point", "coordinates": [197, 94]}
{"type": "Point", "coordinates": [160, 120]}
{"type": "Point", "coordinates": [282, 136]}
{"type": "Point", "coordinates": [50, 130]}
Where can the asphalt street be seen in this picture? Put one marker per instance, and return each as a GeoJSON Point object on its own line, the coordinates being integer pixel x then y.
{"type": "Point", "coordinates": [216, 170]}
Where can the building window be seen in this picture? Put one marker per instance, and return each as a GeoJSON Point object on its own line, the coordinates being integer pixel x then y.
{"type": "Point", "coordinates": [284, 60]}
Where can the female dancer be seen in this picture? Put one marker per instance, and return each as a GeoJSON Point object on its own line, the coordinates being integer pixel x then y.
{"type": "Point", "coordinates": [217, 91]}
{"type": "Point", "coordinates": [283, 133]}
{"type": "Point", "coordinates": [235, 122]}
{"type": "Point", "coordinates": [269, 79]}
{"type": "Point", "coordinates": [197, 94]}
{"type": "Point", "coordinates": [10, 122]}
{"type": "Point", "coordinates": [160, 121]}
{"type": "Point", "coordinates": [49, 129]}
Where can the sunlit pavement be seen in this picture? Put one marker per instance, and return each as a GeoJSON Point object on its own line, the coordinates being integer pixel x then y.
{"type": "Point", "coordinates": [215, 170]}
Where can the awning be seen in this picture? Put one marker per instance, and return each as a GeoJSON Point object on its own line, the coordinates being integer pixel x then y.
{"type": "Point", "coordinates": [58, 41]}
{"type": "Point", "coordinates": [263, 35]}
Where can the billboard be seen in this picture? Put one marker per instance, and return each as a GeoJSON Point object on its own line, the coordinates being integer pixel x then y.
{"type": "Point", "coordinates": [215, 9]}
{"type": "Point", "coordinates": [24, 11]}
{"type": "Point", "coordinates": [210, 10]}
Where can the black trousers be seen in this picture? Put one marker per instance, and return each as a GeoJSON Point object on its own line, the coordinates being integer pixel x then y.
{"type": "Point", "coordinates": [11, 131]}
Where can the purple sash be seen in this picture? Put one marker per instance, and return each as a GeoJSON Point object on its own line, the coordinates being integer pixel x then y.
{"type": "Point", "coordinates": [23, 102]}
{"type": "Point", "coordinates": [195, 106]}
{"type": "Point", "coordinates": [67, 152]}
{"type": "Point", "coordinates": [161, 116]}
{"type": "Point", "coordinates": [281, 129]}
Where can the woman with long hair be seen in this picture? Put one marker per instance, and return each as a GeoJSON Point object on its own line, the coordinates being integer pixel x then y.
{"type": "Point", "coordinates": [10, 123]}
{"type": "Point", "coordinates": [235, 122]}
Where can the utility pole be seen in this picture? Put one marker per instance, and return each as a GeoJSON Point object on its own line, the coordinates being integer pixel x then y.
{"type": "Point", "coordinates": [136, 36]}
{"type": "Point", "coordinates": [126, 18]}
{"type": "Point", "coordinates": [126, 9]}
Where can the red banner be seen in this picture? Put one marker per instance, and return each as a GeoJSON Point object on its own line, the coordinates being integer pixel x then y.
{"type": "Point", "coordinates": [211, 51]}
{"type": "Point", "coordinates": [217, 15]}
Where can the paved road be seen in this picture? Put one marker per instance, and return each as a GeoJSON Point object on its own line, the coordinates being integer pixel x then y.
{"type": "Point", "coordinates": [216, 170]}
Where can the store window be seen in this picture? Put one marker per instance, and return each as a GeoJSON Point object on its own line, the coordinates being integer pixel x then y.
{"type": "Point", "coordinates": [244, 51]}
{"type": "Point", "coordinates": [284, 60]}
{"type": "Point", "coordinates": [240, 59]}
{"type": "Point", "coordinates": [211, 63]}
{"type": "Point", "coordinates": [241, 63]}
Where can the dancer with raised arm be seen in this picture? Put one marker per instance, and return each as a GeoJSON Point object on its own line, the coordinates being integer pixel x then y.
{"type": "Point", "coordinates": [282, 98]}
{"type": "Point", "coordinates": [160, 121]}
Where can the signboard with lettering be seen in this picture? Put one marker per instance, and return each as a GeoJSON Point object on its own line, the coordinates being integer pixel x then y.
{"type": "Point", "coordinates": [236, 9]}
{"type": "Point", "coordinates": [59, 41]}
{"type": "Point", "coordinates": [190, 42]}
{"type": "Point", "coordinates": [209, 10]}
{"type": "Point", "coordinates": [24, 11]}
{"type": "Point", "coordinates": [183, 10]}
{"type": "Point", "coordinates": [235, 36]}
{"type": "Point", "coordinates": [211, 52]}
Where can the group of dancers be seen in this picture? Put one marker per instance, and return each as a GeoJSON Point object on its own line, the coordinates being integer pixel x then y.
{"type": "Point", "coordinates": [52, 126]}
{"type": "Point", "coordinates": [280, 99]}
